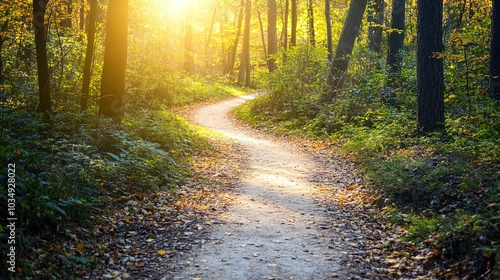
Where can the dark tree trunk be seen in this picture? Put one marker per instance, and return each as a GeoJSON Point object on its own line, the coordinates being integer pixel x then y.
{"type": "Point", "coordinates": [89, 55]}
{"type": "Point", "coordinates": [272, 15]}
{"type": "Point", "coordinates": [232, 58]}
{"type": "Point", "coordinates": [345, 46]}
{"type": "Point", "coordinates": [293, 36]}
{"type": "Point", "coordinates": [310, 16]}
{"type": "Point", "coordinates": [45, 102]}
{"type": "Point", "coordinates": [494, 81]}
{"type": "Point", "coordinates": [396, 40]}
{"type": "Point", "coordinates": [376, 22]}
{"type": "Point", "coordinates": [82, 15]}
{"type": "Point", "coordinates": [329, 30]}
{"type": "Point", "coordinates": [430, 85]}
{"type": "Point", "coordinates": [115, 61]}
{"type": "Point", "coordinates": [395, 47]}
{"type": "Point", "coordinates": [244, 74]}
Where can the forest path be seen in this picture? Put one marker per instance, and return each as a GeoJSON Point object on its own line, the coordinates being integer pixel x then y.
{"type": "Point", "coordinates": [274, 229]}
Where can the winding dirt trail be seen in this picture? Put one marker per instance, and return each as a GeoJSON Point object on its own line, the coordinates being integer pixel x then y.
{"type": "Point", "coordinates": [273, 230]}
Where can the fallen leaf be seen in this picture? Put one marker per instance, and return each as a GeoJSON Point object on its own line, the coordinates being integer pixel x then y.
{"type": "Point", "coordinates": [162, 252]}
{"type": "Point", "coordinates": [79, 247]}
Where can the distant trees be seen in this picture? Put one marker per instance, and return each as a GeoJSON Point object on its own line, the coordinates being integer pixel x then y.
{"type": "Point", "coordinates": [272, 14]}
{"type": "Point", "coordinates": [328, 18]}
{"type": "Point", "coordinates": [345, 46]}
{"type": "Point", "coordinates": [89, 55]}
{"type": "Point", "coordinates": [375, 25]}
{"type": "Point", "coordinates": [245, 67]}
{"type": "Point", "coordinates": [234, 47]}
{"type": "Point", "coordinates": [111, 103]}
{"type": "Point", "coordinates": [293, 35]}
{"type": "Point", "coordinates": [395, 44]}
{"type": "Point", "coordinates": [45, 101]}
{"type": "Point", "coordinates": [430, 84]}
{"type": "Point", "coordinates": [310, 18]}
{"type": "Point", "coordinates": [494, 75]}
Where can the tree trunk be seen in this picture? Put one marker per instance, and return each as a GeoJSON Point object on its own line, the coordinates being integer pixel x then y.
{"type": "Point", "coordinates": [82, 15]}
{"type": "Point", "coordinates": [115, 61]}
{"type": "Point", "coordinates": [89, 55]}
{"type": "Point", "coordinates": [494, 81]}
{"type": "Point", "coordinates": [329, 39]}
{"type": "Point", "coordinates": [345, 46]}
{"type": "Point", "coordinates": [430, 85]}
{"type": "Point", "coordinates": [189, 49]}
{"type": "Point", "coordinates": [285, 26]}
{"type": "Point", "coordinates": [232, 58]}
{"type": "Point", "coordinates": [310, 15]}
{"type": "Point", "coordinates": [272, 46]}
{"type": "Point", "coordinates": [45, 102]}
{"type": "Point", "coordinates": [396, 40]}
{"type": "Point", "coordinates": [244, 75]}
{"type": "Point", "coordinates": [293, 36]}
{"type": "Point", "coordinates": [209, 38]}
{"type": "Point", "coordinates": [376, 22]}
{"type": "Point", "coordinates": [3, 29]}
{"type": "Point", "coordinates": [395, 47]}
{"type": "Point", "coordinates": [262, 36]}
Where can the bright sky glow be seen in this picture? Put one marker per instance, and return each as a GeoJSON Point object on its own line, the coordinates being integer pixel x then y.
{"type": "Point", "coordinates": [174, 7]}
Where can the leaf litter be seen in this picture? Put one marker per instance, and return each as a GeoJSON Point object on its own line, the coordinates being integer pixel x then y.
{"type": "Point", "coordinates": [157, 233]}
{"type": "Point", "coordinates": [154, 233]}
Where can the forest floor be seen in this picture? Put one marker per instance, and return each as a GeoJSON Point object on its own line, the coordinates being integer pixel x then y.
{"type": "Point", "coordinates": [262, 207]}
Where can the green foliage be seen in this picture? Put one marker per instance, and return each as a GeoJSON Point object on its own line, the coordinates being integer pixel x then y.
{"type": "Point", "coordinates": [65, 172]}
{"type": "Point", "coordinates": [443, 187]}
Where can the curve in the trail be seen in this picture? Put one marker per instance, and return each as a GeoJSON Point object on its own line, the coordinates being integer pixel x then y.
{"type": "Point", "coordinates": [272, 230]}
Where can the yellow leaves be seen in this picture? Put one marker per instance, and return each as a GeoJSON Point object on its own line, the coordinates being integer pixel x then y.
{"type": "Point", "coordinates": [80, 247]}
{"type": "Point", "coordinates": [450, 97]}
{"type": "Point", "coordinates": [162, 252]}
{"type": "Point", "coordinates": [438, 55]}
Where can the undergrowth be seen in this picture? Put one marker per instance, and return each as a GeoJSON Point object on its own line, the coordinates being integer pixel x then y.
{"type": "Point", "coordinates": [75, 163]}
{"type": "Point", "coordinates": [443, 188]}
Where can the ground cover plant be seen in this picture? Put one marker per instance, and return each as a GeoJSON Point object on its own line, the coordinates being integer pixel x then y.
{"type": "Point", "coordinates": [443, 189]}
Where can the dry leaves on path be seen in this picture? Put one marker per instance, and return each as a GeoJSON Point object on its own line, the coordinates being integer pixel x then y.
{"type": "Point", "coordinates": [150, 235]}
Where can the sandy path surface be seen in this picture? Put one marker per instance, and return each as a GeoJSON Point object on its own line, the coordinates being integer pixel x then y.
{"type": "Point", "coordinates": [273, 229]}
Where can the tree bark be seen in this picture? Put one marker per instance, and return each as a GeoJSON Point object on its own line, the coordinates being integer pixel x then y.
{"type": "Point", "coordinates": [329, 39]}
{"type": "Point", "coordinates": [82, 15]}
{"type": "Point", "coordinates": [293, 35]}
{"type": "Point", "coordinates": [430, 85]}
{"type": "Point", "coordinates": [376, 22]}
{"type": "Point", "coordinates": [272, 46]}
{"type": "Point", "coordinates": [310, 16]}
{"type": "Point", "coordinates": [345, 46]}
{"type": "Point", "coordinates": [39, 9]}
{"type": "Point", "coordinates": [262, 36]}
{"type": "Point", "coordinates": [89, 55]}
{"type": "Point", "coordinates": [115, 61]}
{"type": "Point", "coordinates": [285, 25]}
{"type": "Point", "coordinates": [244, 74]}
{"type": "Point", "coordinates": [494, 80]}
{"type": "Point", "coordinates": [396, 40]}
